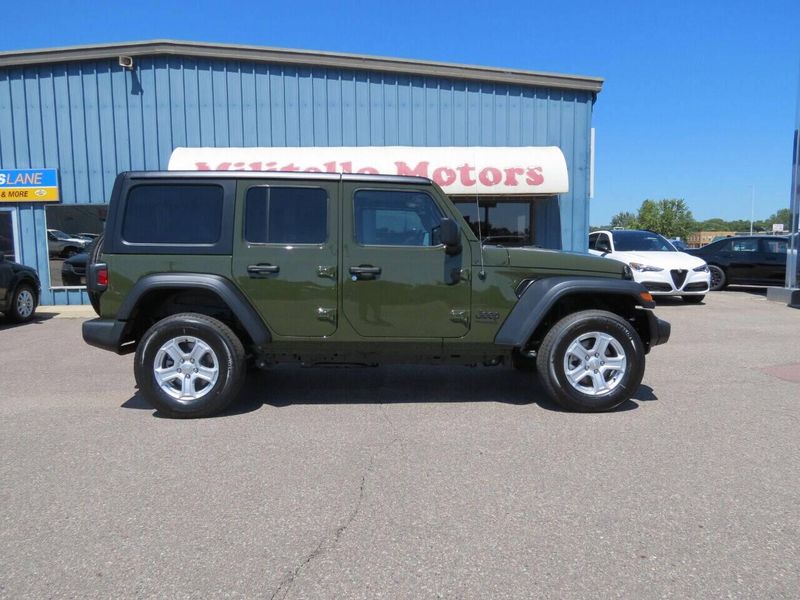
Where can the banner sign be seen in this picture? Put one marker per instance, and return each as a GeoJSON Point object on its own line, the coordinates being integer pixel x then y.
{"type": "Point", "coordinates": [29, 185]}
{"type": "Point", "coordinates": [458, 170]}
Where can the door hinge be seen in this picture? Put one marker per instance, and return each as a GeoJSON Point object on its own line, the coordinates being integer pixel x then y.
{"type": "Point", "coordinates": [326, 271]}
{"type": "Point", "coordinates": [326, 314]}
{"type": "Point", "coordinates": [458, 315]}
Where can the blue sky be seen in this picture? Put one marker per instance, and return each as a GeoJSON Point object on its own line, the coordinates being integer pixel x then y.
{"type": "Point", "coordinates": [699, 101]}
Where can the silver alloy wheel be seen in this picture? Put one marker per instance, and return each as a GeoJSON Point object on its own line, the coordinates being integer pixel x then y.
{"type": "Point", "coordinates": [186, 368]}
{"type": "Point", "coordinates": [595, 363]}
{"type": "Point", "coordinates": [25, 304]}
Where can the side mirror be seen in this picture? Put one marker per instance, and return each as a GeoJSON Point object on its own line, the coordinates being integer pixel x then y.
{"type": "Point", "coordinates": [450, 235]}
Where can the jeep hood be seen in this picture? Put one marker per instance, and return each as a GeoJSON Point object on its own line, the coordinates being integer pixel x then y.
{"type": "Point", "coordinates": [555, 260]}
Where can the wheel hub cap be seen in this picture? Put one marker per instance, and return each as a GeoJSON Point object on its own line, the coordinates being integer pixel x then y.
{"type": "Point", "coordinates": [25, 304]}
{"type": "Point", "coordinates": [595, 363]}
{"type": "Point", "coordinates": [186, 368]}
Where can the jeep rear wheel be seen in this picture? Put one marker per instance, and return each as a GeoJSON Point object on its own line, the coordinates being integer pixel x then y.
{"type": "Point", "coordinates": [591, 361]}
{"type": "Point", "coordinates": [189, 365]}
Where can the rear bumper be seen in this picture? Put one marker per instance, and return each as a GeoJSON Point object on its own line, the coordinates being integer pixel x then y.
{"type": "Point", "coordinates": [659, 329]}
{"type": "Point", "coordinates": [104, 333]}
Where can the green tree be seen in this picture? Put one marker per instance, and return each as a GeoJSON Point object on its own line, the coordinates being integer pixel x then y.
{"type": "Point", "coordinates": [626, 220]}
{"type": "Point", "coordinates": [648, 215]}
{"type": "Point", "coordinates": [670, 217]}
{"type": "Point", "coordinates": [784, 216]}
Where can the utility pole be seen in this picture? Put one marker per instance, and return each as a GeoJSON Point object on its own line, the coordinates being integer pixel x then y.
{"type": "Point", "coordinates": [791, 293]}
{"type": "Point", "coordinates": [752, 206]}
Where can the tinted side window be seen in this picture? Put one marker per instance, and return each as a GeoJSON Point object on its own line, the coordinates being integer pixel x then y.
{"type": "Point", "coordinates": [775, 246]}
{"type": "Point", "coordinates": [173, 214]}
{"type": "Point", "coordinates": [603, 243]}
{"type": "Point", "coordinates": [745, 245]}
{"type": "Point", "coordinates": [593, 241]}
{"type": "Point", "coordinates": [396, 218]}
{"type": "Point", "coordinates": [286, 215]}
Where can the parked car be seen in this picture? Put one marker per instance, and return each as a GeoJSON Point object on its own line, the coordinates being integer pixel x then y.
{"type": "Point", "coordinates": [88, 236]}
{"type": "Point", "coordinates": [73, 270]}
{"type": "Point", "coordinates": [65, 245]}
{"type": "Point", "coordinates": [679, 245]}
{"type": "Point", "coordinates": [275, 273]}
{"type": "Point", "coordinates": [655, 262]}
{"type": "Point", "coordinates": [20, 290]}
{"type": "Point", "coordinates": [746, 259]}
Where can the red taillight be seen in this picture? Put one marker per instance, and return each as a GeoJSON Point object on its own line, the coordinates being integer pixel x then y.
{"type": "Point", "coordinates": [102, 277]}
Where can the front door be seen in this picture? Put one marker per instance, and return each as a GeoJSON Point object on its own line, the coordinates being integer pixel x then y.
{"type": "Point", "coordinates": [774, 252]}
{"type": "Point", "coordinates": [743, 258]}
{"type": "Point", "coordinates": [285, 253]}
{"type": "Point", "coordinates": [397, 280]}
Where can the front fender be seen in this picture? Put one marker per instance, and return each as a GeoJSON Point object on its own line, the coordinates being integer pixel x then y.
{"type": "Point", "coordinates": [541, 295]}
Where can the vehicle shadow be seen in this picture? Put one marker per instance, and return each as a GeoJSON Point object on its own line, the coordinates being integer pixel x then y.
{"type": "Point", "coordinates": [289, 386]}
{"type": "Point", "coordinates": [38, 319]}
{"type": "Point", "coordinates": [675, 301]}
{"type": "Point", "coordinates": [747, 289]}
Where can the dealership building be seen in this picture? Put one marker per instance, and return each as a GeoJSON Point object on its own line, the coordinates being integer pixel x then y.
{"type": "Point", "coordinates": [513, 149]}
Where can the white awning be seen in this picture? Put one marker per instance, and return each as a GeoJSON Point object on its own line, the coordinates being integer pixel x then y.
{"type": "Point", "coordinates": [459, 170]}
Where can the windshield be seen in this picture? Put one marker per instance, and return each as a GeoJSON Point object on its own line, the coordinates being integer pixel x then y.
{"type": "Point", "coordinates": [59, 234]}
{"type": "Point", "coordinates": [641, 241]}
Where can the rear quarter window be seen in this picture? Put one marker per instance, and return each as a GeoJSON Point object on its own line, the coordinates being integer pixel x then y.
{"type": "Point", "coordinates": [188, 214]}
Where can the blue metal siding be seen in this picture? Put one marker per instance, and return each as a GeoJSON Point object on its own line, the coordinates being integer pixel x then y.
{"type": "Point", "coordinates": [92, 120]}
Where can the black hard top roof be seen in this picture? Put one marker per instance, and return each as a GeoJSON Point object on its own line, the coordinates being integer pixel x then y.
{"type": "Point", "coordinates": [276, 175]}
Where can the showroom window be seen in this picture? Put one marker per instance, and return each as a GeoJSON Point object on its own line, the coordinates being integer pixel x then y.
{"type": "Point", "coordinates": [71, 231]}
{"type": "Point", "coordinates": [500, 221]}
{"type": "Point", "coordinates": [286, 215]}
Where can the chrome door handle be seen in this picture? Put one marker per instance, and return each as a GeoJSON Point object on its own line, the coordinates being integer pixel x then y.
{"type": "Point", "coordinates": [261, 270]}
{"type": "Point", "coordinates": [364, 272]}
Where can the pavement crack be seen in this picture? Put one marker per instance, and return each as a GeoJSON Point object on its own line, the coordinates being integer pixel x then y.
{"type": "Point", "coordinates": [329, 542]}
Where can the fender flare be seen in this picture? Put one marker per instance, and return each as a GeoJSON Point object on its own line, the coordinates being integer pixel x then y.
{"type": "Point", "coordinates": [542, 294]}
{"type": "Point", "coordinates": [224, 288]}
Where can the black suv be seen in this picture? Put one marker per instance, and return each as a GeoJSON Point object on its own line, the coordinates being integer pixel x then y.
{"type": "Point", "coordinates": [19, 290]}
{"type": "Point", "coordinates": [746, 260]}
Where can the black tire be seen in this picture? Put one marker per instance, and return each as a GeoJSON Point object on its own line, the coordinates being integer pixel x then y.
{"type": "Point", "coordinates": [719, 279]}
{"type": "Point", "coordinates": [95, 252]}
{"type": "Point", "coordinates": [554, 350]}
{"type": "Point", "coordinates": [230, 365]}
{"type": "Point", "coordinates": [520, 362]}
{"type": "Point", "coordinates": [693, 299]}
{"type": "Point", "coordinates": [22, 311]}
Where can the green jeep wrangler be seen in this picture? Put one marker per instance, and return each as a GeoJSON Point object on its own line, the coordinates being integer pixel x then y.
{"type": "Point", "coordinates": [205, 274]}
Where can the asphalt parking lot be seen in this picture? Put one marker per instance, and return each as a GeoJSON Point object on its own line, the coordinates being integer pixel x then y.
{"type": "Point", "coordinates": [409, 482]}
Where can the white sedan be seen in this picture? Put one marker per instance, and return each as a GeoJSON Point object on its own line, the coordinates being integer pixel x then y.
{"type": "Point", "coordinates": [655, 263]}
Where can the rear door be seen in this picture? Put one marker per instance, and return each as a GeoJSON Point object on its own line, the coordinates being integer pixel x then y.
{"type": "Point", "coordinates": [773, 252]}
{"type": "Point", "coordinates": [285, 253]}
{"type": "Point", "coordinates": [397, 280]}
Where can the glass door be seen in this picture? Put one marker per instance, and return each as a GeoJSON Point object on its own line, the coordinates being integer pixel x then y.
{"type": "Point", "coordinates": [8, 234]}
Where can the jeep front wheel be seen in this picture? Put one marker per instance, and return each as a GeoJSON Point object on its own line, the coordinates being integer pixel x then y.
{"type": "Point", "coordinates": [591, 361]}
{"type": "Point", "coordinates": [189, 365]}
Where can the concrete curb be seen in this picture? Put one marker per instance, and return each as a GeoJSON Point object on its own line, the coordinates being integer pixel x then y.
{"type": "Point", "coordinates": [66, 312]}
